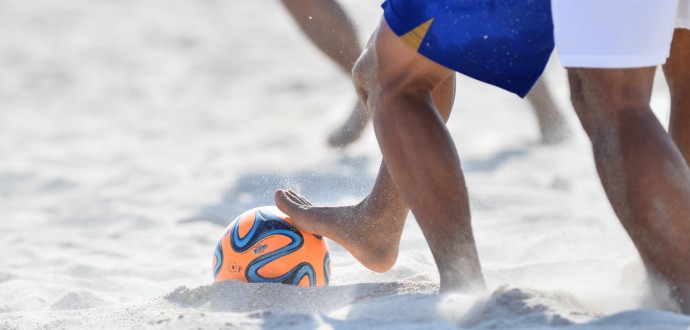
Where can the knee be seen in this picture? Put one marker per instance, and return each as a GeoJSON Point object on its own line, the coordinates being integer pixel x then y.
{"type": "Point", "coordinates": [602, 103]}
{"type": "Point", "coordinates": [363, 74]}
{"type": "Point", "coordinates": [381, 92]}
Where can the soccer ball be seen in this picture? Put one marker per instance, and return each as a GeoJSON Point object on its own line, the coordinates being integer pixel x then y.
{"type": "Point", "coordinates": [261, 245]}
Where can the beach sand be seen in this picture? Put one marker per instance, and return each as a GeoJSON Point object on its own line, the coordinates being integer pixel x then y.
{"type": "Point", "coordinates": [133, 132]}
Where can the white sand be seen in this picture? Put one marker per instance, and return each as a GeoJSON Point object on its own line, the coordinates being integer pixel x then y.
{"type": "Point", "coordinates": [132, 132]}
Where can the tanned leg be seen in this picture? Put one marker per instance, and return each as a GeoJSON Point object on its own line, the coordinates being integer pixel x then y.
{"type": "Point", "coordinates": [419, 156]}
{"type": "Point", "coordinates": [552, 123]}
{"type": "Point", "coordinates": [329, 28]}
{"type": "Point", "coordinates": [370, 230]}
{"type": "Point", "coordinates": [677, 72]}
{"type": "Point", "coordinates": [422, 158]}
{"type": "Point", "coordinates": [642, 171]}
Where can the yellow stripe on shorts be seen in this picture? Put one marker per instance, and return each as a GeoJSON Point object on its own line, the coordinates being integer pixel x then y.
{"type": "Point", "coordinates": [414, 38]}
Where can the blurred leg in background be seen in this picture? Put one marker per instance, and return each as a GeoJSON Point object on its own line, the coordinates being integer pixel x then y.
{"type": "Point", "coordinates": [553, 126]}
{"type": "Point", "coordinates": [328, 26]}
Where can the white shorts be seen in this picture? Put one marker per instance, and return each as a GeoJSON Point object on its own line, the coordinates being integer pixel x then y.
{"type": "Point", "coordinates": [617, 33]}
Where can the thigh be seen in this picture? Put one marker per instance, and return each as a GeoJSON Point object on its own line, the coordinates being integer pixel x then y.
{"type": "Point", "coordinates": [677, 67]}
{"type": "Point", "coordinates": [677, 72]}
{"type": "Point", "coordinates": [400, 66]}
{"type": "Point", "coordinates": [504, 43]}
{"type": "Point", "coordinates": [389, 65]}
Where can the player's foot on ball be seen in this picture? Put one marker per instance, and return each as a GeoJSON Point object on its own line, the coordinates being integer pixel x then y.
{"type": "Point", "coordinates": [371, 238]}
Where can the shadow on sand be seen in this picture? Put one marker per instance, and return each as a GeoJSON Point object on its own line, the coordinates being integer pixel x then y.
{"type": "Point", "coordinates": [495, 161]}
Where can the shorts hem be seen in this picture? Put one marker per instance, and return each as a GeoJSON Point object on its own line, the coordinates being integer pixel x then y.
{"type": "Point", "coordinates": [474, 71]}
{"type": "Point", "coordinates": [612, 61]}
{"type": "Point", "coordinates": [683, 24]}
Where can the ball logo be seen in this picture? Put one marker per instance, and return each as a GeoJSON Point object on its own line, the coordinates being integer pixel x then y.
{"type": "Point", "coordinates": [233, 267]}
{"type": "Point", "coordinates": [261, 248]}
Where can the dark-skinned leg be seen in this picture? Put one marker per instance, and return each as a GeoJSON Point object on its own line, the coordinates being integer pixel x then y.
{"type": "Point", "coordinates": [419, 155]}
{"type": "Point", "coordinates": [328, 27]}
{"type": "Point", "coordinates": [642, 171]}
{"type": "Point", "coordinates": [423, 161]}
{"type": "Point", "coordinates": [370, 230]}
{"type": "Point", "coordinates": [677, 72]}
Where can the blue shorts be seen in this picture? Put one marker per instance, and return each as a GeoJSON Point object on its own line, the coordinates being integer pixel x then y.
{"type": "Point", "coordinates": [505, 43]}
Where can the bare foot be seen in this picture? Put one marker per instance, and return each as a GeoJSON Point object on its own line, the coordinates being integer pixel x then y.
{"type": "Point", "coordinates": [351, 130]}
{"type": "Point", "coordinates": [372, 238]}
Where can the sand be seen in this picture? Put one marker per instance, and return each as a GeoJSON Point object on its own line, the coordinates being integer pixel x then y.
{"type": "Point", "coordinates": [133, 132]}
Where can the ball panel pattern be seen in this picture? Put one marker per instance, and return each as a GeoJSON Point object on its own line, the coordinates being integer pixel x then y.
{"type": "Point", "coordinates": [262, 245]}
{"type": "Point", "coordinates": [217, 259]}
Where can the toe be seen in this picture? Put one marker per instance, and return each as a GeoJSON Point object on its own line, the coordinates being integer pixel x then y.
{"type": "Point", "coordinates": [282, 200]}
{"type": "Point", "coordinates": [290, 202]}
{"type": "Point", "coordinates": [299, 199]}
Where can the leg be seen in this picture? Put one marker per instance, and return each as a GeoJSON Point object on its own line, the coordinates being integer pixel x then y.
{"type": "Point", "coordinates": [328, 27]}
{"type": "Point", "coordinates": [552, 123]}
{"type": "Point", "coordinates": [677, 72]}
{"type": "Point", "coordinates": [421, 163]}
{"type": "Point", "coordinates": [370, 230]}
{"type": "Point", "coordinates": [422, 158]}
{"type": "Point", "coordinates": [643, 173]}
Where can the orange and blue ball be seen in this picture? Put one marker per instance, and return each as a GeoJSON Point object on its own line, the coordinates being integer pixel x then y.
{"type": "Point", "coordinates": [262, 245]}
